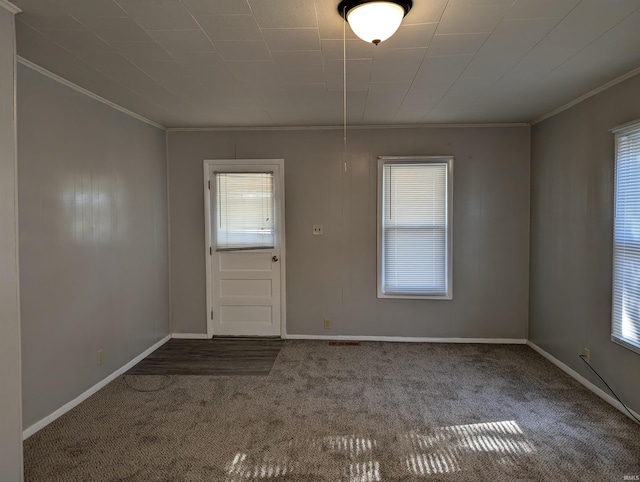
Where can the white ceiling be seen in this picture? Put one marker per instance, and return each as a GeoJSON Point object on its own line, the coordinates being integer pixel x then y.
{"type": "Point", "coordinates": [198, 63]}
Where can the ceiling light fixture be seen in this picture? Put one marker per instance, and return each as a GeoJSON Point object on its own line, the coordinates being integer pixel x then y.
{"type": "Point", "coordinates": [374, 20]}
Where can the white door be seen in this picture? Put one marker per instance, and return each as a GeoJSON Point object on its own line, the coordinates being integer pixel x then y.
{"type": "Point", "coordinates": [245, 231]}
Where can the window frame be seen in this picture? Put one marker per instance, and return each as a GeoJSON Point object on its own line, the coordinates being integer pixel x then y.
{"type": "Point", "coordinates": [385, 160]}
{"type": "Point", "coordinates": [620, 131]}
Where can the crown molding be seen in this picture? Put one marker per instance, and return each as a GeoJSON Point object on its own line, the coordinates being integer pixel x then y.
{"type": "Point", "coordinates": [88, 93]}
{"type": "Point", "coordinates": [9, 6]}
{"type": "Point", "coordinates": [588, 95]}
{"type": "Point", "coordinates": [354, 127]}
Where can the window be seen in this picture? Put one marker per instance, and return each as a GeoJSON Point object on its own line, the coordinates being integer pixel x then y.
{"type": "Point", "coordinates": [244, 210]}
{"type": "Point", "coordinates": [415, 198]}
{"type": "Point", "coordinates": [626, 239]}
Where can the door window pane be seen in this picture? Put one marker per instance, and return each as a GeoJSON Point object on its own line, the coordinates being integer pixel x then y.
{"type": "Point", "coordinates": [244, 210]}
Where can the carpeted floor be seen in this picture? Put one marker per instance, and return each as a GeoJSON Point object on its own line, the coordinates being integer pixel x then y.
{"type": "Point", "coordinates": [375, 412]}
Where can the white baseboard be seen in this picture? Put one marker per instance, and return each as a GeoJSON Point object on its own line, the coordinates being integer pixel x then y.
{"type": "Point", "coordinates": [190, 336]}
{"type": "Point", "coordinates": [408, 339]}
{"type": "Point", "coordinates": [574, 374]}
{"type": "Point", "coordinates": [83, 396]}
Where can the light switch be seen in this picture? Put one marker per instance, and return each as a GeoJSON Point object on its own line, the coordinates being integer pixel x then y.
{"type": "Point", "coordinates": [317, 230]}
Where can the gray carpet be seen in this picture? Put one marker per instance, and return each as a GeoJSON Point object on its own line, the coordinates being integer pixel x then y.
{"type": "Point", "coordinates": [375, 412]}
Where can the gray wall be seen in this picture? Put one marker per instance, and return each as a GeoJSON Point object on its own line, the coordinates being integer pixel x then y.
{"type": "Point", "coordinates": [572, 169]}
{"type": "Point", "coordinates": [334, 276]}
{"type": "Point", "coordinates": [10, 419]}
{"type": "Point", "coordinates": [93, 240]}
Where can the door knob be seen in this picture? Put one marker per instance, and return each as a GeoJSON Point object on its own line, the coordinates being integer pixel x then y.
{"type": "Point", "coordinates": [274, 259]}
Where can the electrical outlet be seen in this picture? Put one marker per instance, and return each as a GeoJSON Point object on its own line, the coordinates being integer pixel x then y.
{"type": "Point", "coordinates": [100, 357]}
{"type": "Point", "coordinates": [587, 355]}
{"type": "Point", "coordinates": [327, 324]}
{"type": "Point", "coordinates": [318, 230]}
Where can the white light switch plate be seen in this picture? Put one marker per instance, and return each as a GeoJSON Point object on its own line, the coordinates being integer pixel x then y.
{"type": "Point", "coordinates": [317, 230]}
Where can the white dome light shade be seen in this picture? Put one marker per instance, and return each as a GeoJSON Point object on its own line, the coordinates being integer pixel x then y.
{"type": "Point", "coordinates": [375, 21]}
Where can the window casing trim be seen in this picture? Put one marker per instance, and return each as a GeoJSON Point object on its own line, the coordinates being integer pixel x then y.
{"type": "Point", "coordinates": [385, 160]}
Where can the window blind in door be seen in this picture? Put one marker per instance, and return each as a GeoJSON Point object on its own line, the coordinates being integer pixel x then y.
{"type": "Point", "coordinates": [244, 210]}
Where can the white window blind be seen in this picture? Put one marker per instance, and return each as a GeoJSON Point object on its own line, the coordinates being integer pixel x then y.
{"type": "Point", "coordinates": [626, 240]}
{"type": "Point", "coordinates": [415, 229]}
{"type": "Point", "coordinates": [244, 210]}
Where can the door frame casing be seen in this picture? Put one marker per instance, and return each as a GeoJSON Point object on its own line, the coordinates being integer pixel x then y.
{"type": "Point", "coordinates": [280, 208]}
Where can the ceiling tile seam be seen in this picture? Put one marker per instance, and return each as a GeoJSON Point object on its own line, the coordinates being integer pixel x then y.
{"type": "Point", "coordinates": [61, 80]}
{"type": "Point", "coordinates": [424, 56]}
{"type": "Point", "coordinates": [450, 87]}
{"type": "Point", "coordinates": [202, 29]}
{"type": "Point", "coordinates": [461, 72]}
{"type": "Point", "coordinates": [125, 58]}
{"type": "Point", "coordinates": [249, 94]}
{"type": "Point", "coordinates": [585, 47]}
{"type": "Point", "coordinates": [474, 56]}
{"type": "Point", "coordinates": [170, 54]}
{"type": "Point", "coordinates": [343, 58]}
{"type": "Point", "coordinates": [586, 96]}
{"type": "Point", "coordinates": [475, 99]}
{"type": "Point", "coordinates": [73, 54]}
{"type": "Point", "coordinates": [560, 19]}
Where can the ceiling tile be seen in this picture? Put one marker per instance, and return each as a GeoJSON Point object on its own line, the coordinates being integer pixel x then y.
{"type": "Point", "coordinates": [384, 87]}
{"type": "Point", "coordinates": [230, 27]}
{"type": "Point", "coordinates": [356, 102]}
{"type": "Point", "coordinates": [303, 76]}
{"type": "Point", "coordinates": [42, 15]}
{"type": "Point", "coordinates": [356, 49]}
{"type": "Point", "coordinates": [78, 40]}
{"type": "Point", "coordinates": [243, 50]}
{"type": "Point", "coordinates": [541, 8]}
{"type": "Point", "coordinates": [464, 91]}
{"type": "Point", "coordinates": [292, 38]}
{"type": "Point", "coordinates": [117, 29]}
{"type": "Point", "coordinates": [358, 74]}
{"type": "Point", "coordinates": [410, 36]}
{"type": "Point", "coordinates": [468, 3]}
{"type": "Point", "coordinates": [568, 38]}
{"type": "Point", "coordinates": [507, 45]}
{"type": "Point", "coordinates": [456, 44]}
{"type": "Point", "coordinates": [396, 65]}
{"type": "Point", "coordinates": [92, 8]}
{"type": "Point", "coordinates": [115, 66]}
{"type": "Point", "coordinates": [284, 13]}
{"type": "Point", "coordinates": [303, 59]}
{"type": "Point", "coordinates": [199, 61]}
{"type": "Point", "coordinates": [330, 23]}
{"type": "Point", "coordinates": [471, 19]}
{"type": "Point", "coordinates": [381, 106]}
{"type": "Point", "coordinates": [436, 75]}
{"type": "Point", "coordinates": [179, 41]}
{"type": "Point", "coordinates": [262, 74]}
{"type": "Point", "coordinates": [425, 12]}
{"type": "Point", "coordinates": [142, 51]}
{"type": "Point", "coordinates": [159, 14]}
{"type": "Point", "coordinates": [217, 7]}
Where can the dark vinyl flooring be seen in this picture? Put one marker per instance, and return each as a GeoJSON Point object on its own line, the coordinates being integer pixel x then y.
{"type": "Point", "coordinates": [219, 356]}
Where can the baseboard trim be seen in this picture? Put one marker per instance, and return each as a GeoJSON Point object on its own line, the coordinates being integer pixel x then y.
{"type": "Point", "coordinates": [190, 336]}
{"type": "Point", "coordinates": [582, 380]}
{"type": "Point", "coordinates": [39, 425]}
{"type": "Point", "coordinates": [408, 339]}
